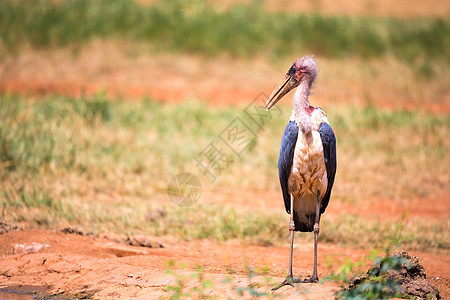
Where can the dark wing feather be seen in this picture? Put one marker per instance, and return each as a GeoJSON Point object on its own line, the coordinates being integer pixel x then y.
{"type": "Point", "coordinates": [329, 151]}
{"type": "Point", "coordinates": [285, 160]}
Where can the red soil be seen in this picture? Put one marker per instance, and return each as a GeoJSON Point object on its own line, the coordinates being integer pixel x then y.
{"type": "Point", "coordinates": [79, 265]}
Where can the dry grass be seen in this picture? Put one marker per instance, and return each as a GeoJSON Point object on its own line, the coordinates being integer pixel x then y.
{"type": "Point", "coordinates": [105, 164]}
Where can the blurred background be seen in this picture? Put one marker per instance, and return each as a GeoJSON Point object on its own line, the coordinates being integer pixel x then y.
{"type": "Point", "coordinates": [103, 102]}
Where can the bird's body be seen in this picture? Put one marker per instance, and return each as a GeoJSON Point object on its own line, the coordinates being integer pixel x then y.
{"type": "Point", "coordinates": [308, 173]}
{"type": "Point", "coordinates": [307, 161]}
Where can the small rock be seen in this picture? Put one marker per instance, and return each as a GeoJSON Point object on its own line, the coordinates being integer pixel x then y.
{"type": "Point", "coordinates": [29, 248]}
{"type": "Point", "coordinates": [72, 230]}
{"type": "Point", "coordinates": [5, 227]}
{"type": "Point", "coordinates": [142, 241]}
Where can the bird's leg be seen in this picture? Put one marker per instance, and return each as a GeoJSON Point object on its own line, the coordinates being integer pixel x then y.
{"type": "Point", "coordinates": [290, 278]}
{"type": "Point", "coordinates": [291, 232]}
{"type": "Point", "coordinates": [314, 277]}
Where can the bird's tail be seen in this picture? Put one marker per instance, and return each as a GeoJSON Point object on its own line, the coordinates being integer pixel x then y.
{"type": "Point", "coordinates": [304, 223]}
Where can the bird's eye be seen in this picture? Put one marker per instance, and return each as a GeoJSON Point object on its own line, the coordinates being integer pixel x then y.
{"type": "Point", "coordinates": [291, 71]}
{"type": "Point", "coordinates": [302, 69]}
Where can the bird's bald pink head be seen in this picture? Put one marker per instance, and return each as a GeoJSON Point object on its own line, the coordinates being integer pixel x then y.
{"type": "Point", "coordinates": [303, 70]}
{"type": "Point", "coordinates": [305, 66]}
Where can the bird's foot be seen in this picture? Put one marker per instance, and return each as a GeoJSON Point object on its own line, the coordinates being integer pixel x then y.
{"type": "Point", "coordinates": [288, 281]}
{"type": "Point", "coordinates": [312, 279]}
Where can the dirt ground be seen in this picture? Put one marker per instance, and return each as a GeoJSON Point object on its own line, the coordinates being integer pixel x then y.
{"type": "Point", "coordinates": [68, 262]}
{"type": "Point", "coordinates": [56, 263]}
{"type": "Point", "coordinates": [71, 264]}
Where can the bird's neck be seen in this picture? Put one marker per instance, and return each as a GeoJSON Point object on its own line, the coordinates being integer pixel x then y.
{"type": "Point", "coordinates": [302, 110]}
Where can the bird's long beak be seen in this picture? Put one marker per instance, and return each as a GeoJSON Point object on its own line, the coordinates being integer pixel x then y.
{"type": "Point", "coordinates": [283, 87]}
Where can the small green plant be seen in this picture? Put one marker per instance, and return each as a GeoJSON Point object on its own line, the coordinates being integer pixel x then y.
{"type": "Point", "coordinates": [179, 289]}
{"type": "Point", "coordinates": [252, 287]}
{"type": "Point", "coordinates": [204, 288]}
{"type": "Point", "coordinates": [376, 284]}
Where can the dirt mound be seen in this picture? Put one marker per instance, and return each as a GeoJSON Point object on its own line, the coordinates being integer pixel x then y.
{"type": "Point", "coordinates": [412, 277]}
{"type": "Point", "coordinates": [403, 274]}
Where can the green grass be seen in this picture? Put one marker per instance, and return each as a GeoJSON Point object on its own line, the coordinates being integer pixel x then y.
{"type": "Point", "coordinates": [105, 164]}
{"type": "Point", "coordinates": [198, 27]}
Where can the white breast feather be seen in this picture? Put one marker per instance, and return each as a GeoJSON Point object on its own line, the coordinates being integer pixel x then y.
{"type": "Point", "coordinates": [308, 173]}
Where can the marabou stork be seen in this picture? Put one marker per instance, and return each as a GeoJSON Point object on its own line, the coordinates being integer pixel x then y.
{"type": "Point", "coordinates": [307, 162]}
